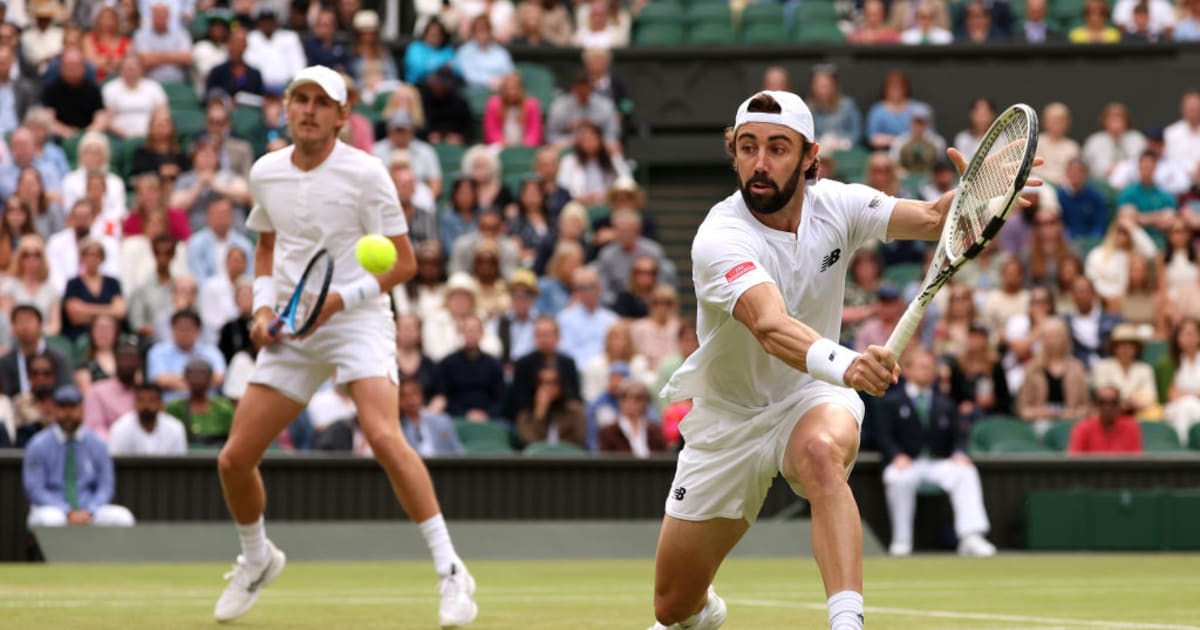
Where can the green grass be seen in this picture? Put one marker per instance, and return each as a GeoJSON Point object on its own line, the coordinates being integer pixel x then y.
{"type": "Point", "coordinates": [1018, 591]}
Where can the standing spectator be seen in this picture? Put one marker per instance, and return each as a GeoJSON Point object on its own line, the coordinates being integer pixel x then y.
{"type": "Point", "coordinates": [1109, 431]}
{"type": "Point", "coordinates": [570, 110]}
{"type": "Point", "coordinates": [482, 61]}
{"type": "Point", "coordinates": [276, 52]}
{"type": "Point", "coordinates": [211, 51]}
{"type": "Point", "coordinates": [209, 184]}
{"type": "Point", "coordinates": [1123, 370]}
{"type": "Point", "coordinates": [633, 432]}
{"type": "Point", "coordinates": [1035, 29]}
{"type": "Point", "coordinates": [322, 48]}
{"type": "Point", "coordinates": [450, 118]}
{"type": "Point", "coordinates": [892, 115]}
{"type": "Point", "coordinates": [422, 157]}
{"type": "Point", "coordinates": [91, 293]}
{"type": "Point", "coordinates": [1053, 144]}
{"type": "Point", "coordinates": [1084, 208]}
{"type": "Point", "coordinates": [837, 121]}
{"type": "Point", "coordinates": [413, 363]}
{"type": "Point", "coordinates": [68, 474]}
{"type": "Point", "coordinates": [515, 325]}
{"type": "Point", "coordinates": [17, 93]}
{"type": "Point", "coordinates": [553, 415]}
{"type": "Point", "coordinates": [105, 45]}
{"type": "Point", "coordinates": [1056, 383]}
{"type": "Point", "coordinates": [472, 380]}
{"type": "Point", "coordinates": [545, 355]}
{"type": "Point", "coordinates": [235, 75]}
{"type": "Point", "coordinates": [584, 323]}
{"type": "Point", "coordinates": [110, 398]}
{"type": "Point", "coordinates": [589, 171]}
{"type": "Point", "coordinates": [873, 28]}
{"type": "Point", "coordinates": [160, 153]}
{"type": "Point", "coordinates": [431, 433]}
{"type": "Point", "coordinates": [166, 360]}
{"type": "Point", "coordinates": [165, 50]}
{"type": "Point", "coordinates": [656, 336]}
{"type": "Point", "coordinates": [925, 29]}
{"type": "Point", "coordinates": [619, 347]}
{"type": "Point", "coordinates": [1179, 376]}
{"type": "Point", "coordinates": [512, 117]}
{"type": "Point", "coordinates": [1107, 265]}
{"type": "Point", "coordinates": [95, 156]}
{"type": "Point", "coordinates": [980, 117]}
{"type": "Point", "coordinates": [16, 370]}
{"type": "Point", "coordinates": [207, 417]}
{"type": "Point", "coordinates": [28, 282]}
{"type": "Point", "coordinates": [131, 99]}
{"type": "Point", "coordinates": [73, 99]}
{"type": "Point", "coordinates": [147, 430]}
{"type": "Point", "coordinates": [426, 55]}
{"type": "Point", "coordinates": [1096, 29]}
{"type": "Point", "coordinates": [208, 247]}
{"type": "Point", "coordinates": [921, 438]}
{"type": "Point", "coordinates": [1116, 141]}
{"type": "Point", "coordinates": [43, 40]}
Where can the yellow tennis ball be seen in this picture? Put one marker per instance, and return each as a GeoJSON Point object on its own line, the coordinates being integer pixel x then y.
{"type": "Point", "coordinates": [376, 253]}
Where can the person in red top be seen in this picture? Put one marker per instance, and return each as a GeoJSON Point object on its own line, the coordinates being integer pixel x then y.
{"type": "Point", "coordinates": [1108, 431]}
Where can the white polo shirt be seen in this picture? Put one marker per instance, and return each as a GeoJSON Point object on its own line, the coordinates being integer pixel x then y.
{"type": "Point", "coordinates": [127, 437]}
{"type": "Point", "coordinates": [333, 205]}
{"type": "Point", "coordinates": [733, 252]}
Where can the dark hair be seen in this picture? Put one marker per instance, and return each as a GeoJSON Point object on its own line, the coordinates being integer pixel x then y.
{"type": "Point", "coordinates": [410, 380]}
{"type": "Point", "coordinates": [25, 308]}
{"type": "Point", "coordinates": [460, 181]}
{"type": "Point", "coordinates": [581, 77]}
{"type": "Point", "coordinates": [186, 313]}
{"type": "Point", "coordinates": [1175, 352]}
{"type": "Point", "coordinates": [162, 239]}
{"type": "Point", "coordinates": [602, 156]}
{"type": "Point", "coordinates": [148, 386]}
{"type": "Point", "coordinates": [436, 23]}
{"type": "Point", "coordinates": [766, 104]}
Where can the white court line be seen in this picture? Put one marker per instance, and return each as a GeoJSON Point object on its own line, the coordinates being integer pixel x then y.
{"type": "Point", "coordinates": [947, 614]}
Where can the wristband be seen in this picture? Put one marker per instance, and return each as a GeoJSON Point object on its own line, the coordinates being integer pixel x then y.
{"type": "Point", "coordinates": [360, 291]}
{"type": "Point", "coordinates": [264, 293]}
{"type": "Point", "coordinates": [827, 361]}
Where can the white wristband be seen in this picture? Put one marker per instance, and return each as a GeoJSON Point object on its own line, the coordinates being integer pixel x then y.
{"type": "Point", "coordinates": [264, 292]}
{"type": "Point", "coordinates": [360, 291]}
{"type": "Point", "coordinates": [828, 361]}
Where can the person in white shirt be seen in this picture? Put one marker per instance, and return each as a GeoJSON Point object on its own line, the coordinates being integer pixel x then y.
{"type": "Point", "coordinates": [1170, 175]}
{"type": "Point", "coordinates": [62, 248]}
{"type": "Point", "coordinates": [147, 430]}
{"type": "Point", "coordinates": [1162, 15]}
{"type": "Point", "coordinates": [774, 393]}
{"type": "Point", "coordinates": [94, 154]}
{"type": "Point", "coordinates": [321, 192]}
{"type": "Point", "coordinates": [43, 41]}
{"type": "Point", "coordinates": [925, 30]}
{"type": "Point", "coordinates": [1182, 137]}
{"type": "Point", "coordinates": [276, 52]}
{"type": "Point", "coordinates": [131, 99]}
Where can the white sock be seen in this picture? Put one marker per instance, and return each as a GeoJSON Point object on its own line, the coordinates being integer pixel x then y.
{"type": "Point", "coordinates": [846, 611]}
{"type": "Point", "coordinates": [254, 541]}
{"type": "Point", "coordinates": [438, 538]}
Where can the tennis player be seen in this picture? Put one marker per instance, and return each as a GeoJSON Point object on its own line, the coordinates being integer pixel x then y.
{"type": "Point", "coordinates": [774, 392]}
{"type": "Point", "coordinates": [318, 193]}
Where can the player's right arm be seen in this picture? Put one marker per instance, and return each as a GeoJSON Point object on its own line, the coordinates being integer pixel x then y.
{"type": "Point", "coordinates": [761, 309]}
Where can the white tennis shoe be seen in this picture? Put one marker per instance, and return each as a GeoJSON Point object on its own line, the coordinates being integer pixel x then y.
{"type": "Point", "coordinates": [710, 618]}
{"type": "Point", "coordinates": [977, 546]}
{"type": "Point", "coordinates": [246, 581]}
{"type": "Point", "coordinates": [457, 607]}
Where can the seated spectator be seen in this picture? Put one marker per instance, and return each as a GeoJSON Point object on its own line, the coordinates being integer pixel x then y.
{"type": "Point", "coordinates": [212, 50]}
{"type": "Point", "coordinates": [160, 153]}
{"type": "Point", "coordinates": [904, 14]}
{"type": "Point", "coordinates": [209, 184]}
{"type": "Point", "coordinates": [545, 355]}
{"type": "Point", "coordinates": [604, 25]}
{"type": "Point", "coordinates": [655, 336]}
{"type": "Point", "coordinates": [236, 76]}
{"type": "Point", "coordinates": [483, 166]}
{"type": "Point", "coordinates": [29, 342]}
{"type": "Point", "coordinates": [589, 171]}
{"type": "Point", "coordinates": [925, 29]}
{"type": "Point", "coordinates": [545, 166]}
{"type": "Point", "coordinates": [1048, 246]}
{"type": "Point", "coordinates": [24, 92]}
{"type": "Point", "coordinates": [234, 154]}
{"type": "Point", "coordinates": [1170, 174]}
{"type": "Point", "coordinates": [68, 474]}
{"type": "Point", "coordinates": [450, 118]}
{"type": "Point", "coordinates": [584, 323]}
{"type": "Point", "coordinates": [28, 282]}
{"type": "Point", "coordinates": [978, 385]}
{"type": "Point", "coordinates": [512, 118]}
{"type": "Point", "coordinates": [864, 277]}
{"type": "Point", "coordinates": [1143, 303]}
{"type": "Point", "coordinates": [42, 41]}
{"type": "Point", "coordinates": [1107, 265]}
{"type": "Point", "coordinates": [47, 209]}
{"type": "Point", "coordinates": [416, 200]}
{"type": "Point", "coordinates": [1153, 206]}
{"type": "Point", "coordinates": [426, 55]}
{"type": "Point", "coordinates": [17, 223]}
{"type": "Point", "coordinates": [1054, 145]}
{"type": "Point", "coordinates": [322, 47]}
{"type": "Point", "coordinates": [359, 131]}
{"type": "Point", "coordinates": [553, 416]}
{"type": "Point", "coordinates": [99, 360]}
{"type": "Point", "coordinates": [94, 156]}
{"type": "Point", "coordinates": [891, 116]}
{"type": "Point", "coordinates": [837, 121]}
{"type": "Point", "coordinates": [24, 155]}
{"type": "Point", "coordinates": [206, 416]}
{"type": "Point", "coordinates": [1089, 325]}
{"type": "Point", "coordinates": [422, 158]}
{"type": "Point", "coordinates": [413, 363]}
{"type": "Point", "coordinates": [1008, 300]}
{"type": "Point", "coordinates": [1055, 386]}
{"type": "Point", "coordinates": [130, 99]}
{"type": "Point", "coordinates": [371, 65]}
{"type": "Point", "coordinates": [619, 347]}
{"type": "Point", "coordinates": [1084, 208]}
{"type": "Point", "coordinates": [8, 423]}
{"type": "Point", "coordinates": [166, 360]}
{"type": "Point", "coordinates": [1179, 269]}
{"type": "Point", "coordinates": [603, 410]}
{"type": "Point", "coordinates": [515, 325]}
{"type": "Point", "coordinates": [885, 314]}
{"type": "Point", "coordinates": [1117, 139]}
{"type": "Point", "coordinates": [430, 433]}
{"type": "Point", "coordinates": [493, 293]}
{"type": "Point", "coordinates": [207, 247]}
{"type": "Point", "coordinates": [1158, 17]}
{"type": "Point", "coordinates": [472, 380]}
{"type": "Point", "coordinates": [981, 116]}
{"type": "Point", "coordinates": [873, 28]}
{"type": "Point", "coordinates": [1096, 29]}
{"type": "Point", "coordinates": [91, 293]}
{"type": "Point", "coordinates": [1180, 377]}
{"type": "Point", "coordinates": [425, 293]}
{"type": "Point", "coordinates": [276, 52]}
{"type": "Point", "coordinates": [490, 228]}
{"type": "Point", "coordinates": [1034, 28]}
{"type": "Point", "coordinates": [35, 408]}
{"type": "Point", "coordinates": [634, 432]}
{"type": "Point", "coordinates": [528, 31]}
{"type": "Point", "coordinates": [949, 332]}
{"type": "Point", "coordinates": [532, 222]}
{"type": "Point", "coordinates": [917, 149]}
{"type": "Point", "coordinates": [555, 285]}
{"type": "Point", "coordinates": [1123, 370]}
{"type": "Point", "coordinates": [334, 418]}
{"type": "Point", "coordinates": [217, 305]}
{"type": "Point", "coordinates": [151, 296]}
{"type": "Point", "coordinates": [110, 398]}
{"type": "Point", "coordinates": [234, 337]}
{"type": "Point", "coordinates": [441, 331]}
{"type": "Point", "coordinates": [920, 436]}
{"type": "Point", "coordinates": [184, 296]}
{"type": "Point", "coordinates": [481, 61]}
{"type": "Point", "coordinates": [166, 52]}
{"type": "Point", "coordinates": [633, 302]}
{"type": "Point", "coordinates": [1140, 28]}
{"type": "Point", "coordinates": [977, 27]}
{"type": "Point", "coordinates": [147, 430]}
{"type": "Point", "coordinates": [580, 104]}
{"type": "Point", "coordinates": [1108, 432]}
{"type": "Point", "coordinates": [1188, 27]}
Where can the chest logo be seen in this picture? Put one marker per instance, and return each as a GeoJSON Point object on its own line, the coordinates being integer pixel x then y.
{"type": "Point", "coordinates": [831, 259]}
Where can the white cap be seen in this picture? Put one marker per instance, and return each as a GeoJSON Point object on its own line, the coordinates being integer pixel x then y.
{"type": "Point", "coordinates": [329, 80]}
{"type": "Point", "coordinates": [794, 115]}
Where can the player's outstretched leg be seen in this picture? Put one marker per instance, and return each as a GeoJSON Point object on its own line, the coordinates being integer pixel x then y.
{"type": "Point", "coordinates": [820, 449]}
{"type": "Point", "coordinates": [689, 554]}
{"type": "Point", "coordinates": [378, 408]}
{"type": "Point", "coordinates": [261, 415]}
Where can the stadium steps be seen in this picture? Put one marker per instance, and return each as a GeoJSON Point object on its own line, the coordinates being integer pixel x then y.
{"type": "Point", "coordinates": [678, 199]}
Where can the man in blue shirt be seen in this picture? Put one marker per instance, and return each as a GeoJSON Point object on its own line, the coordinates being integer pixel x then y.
{"type": "Point", "coordinates": [482, 62]}
{"type": "Point", "coordinates": [68, 474]}
{"type": "Point", "coordinates": [1084, 209]}
{"type": "Point", "coordinates": [166, 360]}
{"type": "Point", "coordinates": [584, 324]}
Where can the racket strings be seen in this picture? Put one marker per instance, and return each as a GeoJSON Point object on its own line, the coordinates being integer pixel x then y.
{"type": "Point", "coordinates": [984, 195]}
{"type": "Point", "coordinates": [312, 289]}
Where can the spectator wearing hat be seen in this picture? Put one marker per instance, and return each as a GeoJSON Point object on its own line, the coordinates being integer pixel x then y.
{"type": "Point", "coordinates": [472, 380]}
{"type": "Point", "coordinates": [624, 194]}
{"type": "Point", "coordinates": [512, 117]}
{"type": "Point", "coordinates": [322, 48]}
{"type": "Point", "coordinates": [917, 150]}
{"type": "Point", "coordinates": [73, 98]}
{"type": "Point", "coordinates": [1133, 378]}
{"type": "Point", "coordinates": [482, 61]}
{"type": "Point", "coordinates": [110, 398]}
{"type": "Point", "coordinates": [615, 260]}
{"type": "Point", "coordinates": [441, 331]}
{"type": "Point", "coordinates": [544, 355]}
{"type": "Point", "coordinates": [450, 120]}
{"type": "Point", "coordinates": [515, 325]}
{"type": "Point", "coordinates": [166, 359]}
{"type": "Point", "coordinates": [1110, 431]}
{"type": "Point", "coordinates": [235, 76]}
{"type": "Point", "coordinates": [581, 104]}
{"type": "Point", "coordinates": [67, 471]}
{"type": "Point", "coordinates": [634, 432]}
{"type": "Point", "coordinates": [422, 158]}
{"type": "Point", "coordinates": [207, 416]}
{"type": "Point", "coordinates": [431, 433]}
{"type": "Point", "coordinates": [1170, 175]}
{"type": "Point", "coordinates": [276, 52]}
{"type": "Point", "coordinates": [147, 430]}
{"type": "Point", "coordinates": [489, 227]}
{"type": "Point", "coordinates": [165, 50]}
{"type": "Point", "coordinates": [43, 40]}
{"type": "Point", "coordinates": [493, 292]}
{"type": "Point", "coordinates": [131, 98]}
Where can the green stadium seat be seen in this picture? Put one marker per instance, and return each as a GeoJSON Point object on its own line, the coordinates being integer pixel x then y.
{"type": "Point", "coordinates": [1058, 436]}
{"type": "Point", "coordinates": [711, 33]}
{"type": "Point", "coordinates": [70, 146]}
{"type": "Point", "coordinates": [477, 98]}
{"type": "Point", "coordinates": [1086, 243]}
{"type": "Point", "coordinates": [487, 448]}
{"type": "Point", "coordinates": [122, 158]}
{"type": "Point", "coordinates": [1017, 446]}
{"type": "Point", "coordinates": [901, 274]}
{"type": "Point", "coordinates": [765, 33]}
{"type": "Point", "coordinates": [660, 13]}
{"type": "Point", "coordinates": [481, 432]}
{"type": "Point", "coordinates": [852, 163]}
{"type": "Point", "coordinates": [763, 13]}
{"type": "Point", "coordinates": [1066, 12]}
{"type": "Point", "coordinates": [710, 13]}
{"type": "Point", "coordinates": [822, 11]}
{"type": "Point", "coordinates": [561, 449]}
{"type": "Point", "coordinates": [62, 344]}
{"type": "Point", "coordinates": [450, 158]}
{"type": "Point", "coordinates": [819, 34]}
{"type": "Point", "coordinates": [1002, 435]}
{"type": "Point", "coordinates": [1158, 437]}
{"type": "Point", "coordinates": [188, 121]}
{"type": "Point", "coordinates": [536, 75]}
{"type": "Point", "coordinates": [664, 34]}
{"type": "Point", "coordinates": [517, 160]}
{"type": "Point", "coordinates": [598, 212]}
{"type": "Point", "coordinates": [180, 94]}
{"type": "Point", "coordinates": [1194, 437]}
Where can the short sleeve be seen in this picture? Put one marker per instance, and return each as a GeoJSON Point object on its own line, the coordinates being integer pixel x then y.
{"type": "Point", "coordinates": [867, 213]}
{"type": "Point", "coordinates": [259, 220]}
{"type": "Point", "coordinates": [725, 266]}
{"type": "Point", "coordinates": [381, 209]}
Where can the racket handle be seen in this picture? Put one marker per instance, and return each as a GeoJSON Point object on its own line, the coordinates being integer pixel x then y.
{"type": "Point", "coordinates": [905, 328]}
{"type": "Point", "coordinates": [274, 327]}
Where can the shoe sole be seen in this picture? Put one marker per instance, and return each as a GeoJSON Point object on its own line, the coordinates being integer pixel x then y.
{"type": "Point", "coordinates": [270, 576]}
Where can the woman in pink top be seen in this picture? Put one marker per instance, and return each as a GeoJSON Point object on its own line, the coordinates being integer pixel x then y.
{"type": "Point", "coordinates": [512, 118]}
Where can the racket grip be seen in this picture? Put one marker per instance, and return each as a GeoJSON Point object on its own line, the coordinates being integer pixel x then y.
{"type": "Point", "coordinates": [274, 327]}
{"type": "Point", "coordinates": [905, 328]}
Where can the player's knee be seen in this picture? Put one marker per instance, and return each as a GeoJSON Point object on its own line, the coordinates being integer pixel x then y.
{"type": "Point", "coordinates": [232, 463]}
{"type": "Point", "coordinates": [821, 463]}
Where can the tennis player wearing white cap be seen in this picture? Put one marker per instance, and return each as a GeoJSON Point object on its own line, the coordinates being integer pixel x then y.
{"type": "Point", "coordinates": [321, 192]}
{"type": "Point", "coordinates": [774, 393]}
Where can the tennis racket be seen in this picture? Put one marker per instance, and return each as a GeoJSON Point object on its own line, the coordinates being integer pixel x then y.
{"type": "Point", "coordinates": [302, 310]}
{"type": "Point", "coordinates": [987, 193]}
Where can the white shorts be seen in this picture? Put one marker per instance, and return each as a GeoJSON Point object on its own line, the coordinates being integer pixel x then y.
{"type": "Point", "coordinates": [357, 347]}
{"type": "Point", "coordinates": [730, 459]}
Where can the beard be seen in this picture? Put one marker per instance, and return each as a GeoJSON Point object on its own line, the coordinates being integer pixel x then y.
{"type": "Point", "coordinates": [772, 202]}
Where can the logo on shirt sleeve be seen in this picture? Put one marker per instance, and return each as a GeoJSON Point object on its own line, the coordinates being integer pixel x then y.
{"type": "Point", "coordinates": [739, 270]}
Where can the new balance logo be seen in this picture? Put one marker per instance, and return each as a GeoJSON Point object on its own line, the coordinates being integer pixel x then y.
{"type": "Point", "coordinates": [831, 259]}
{"type": "Point", "coordinates": [678, 493]}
